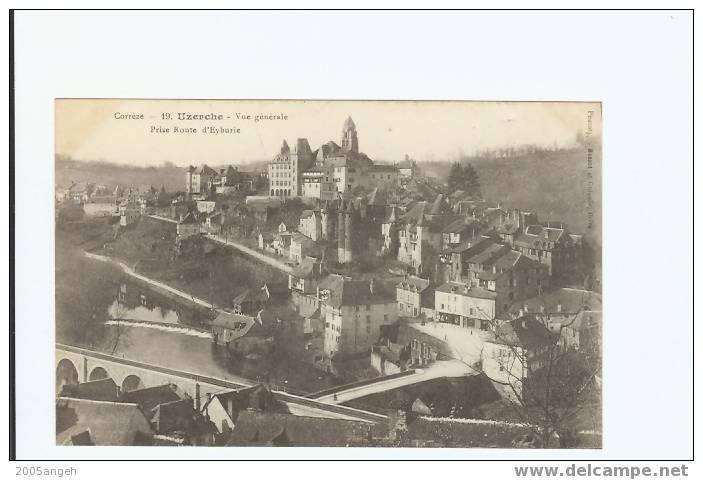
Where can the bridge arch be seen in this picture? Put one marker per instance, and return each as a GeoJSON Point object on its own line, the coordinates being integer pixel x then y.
{"type": "Point", "coordinates": [98, 373]}
{"type": "Point", "coordinates": [131, 382]}
{"type": "Point", "coordinates": [66, 374]}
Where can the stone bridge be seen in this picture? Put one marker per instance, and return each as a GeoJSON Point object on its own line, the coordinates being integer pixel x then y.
{"type": "Point", "coordinates": [77, 365]}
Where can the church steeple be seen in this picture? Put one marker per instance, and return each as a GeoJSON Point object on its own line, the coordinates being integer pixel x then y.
{"type": "Point", "coordinates": [350, 142]}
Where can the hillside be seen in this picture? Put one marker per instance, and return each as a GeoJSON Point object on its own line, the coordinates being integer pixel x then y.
{"type": "Point", "coordinates": [550, 183]}
{"type": "Point", "coordinates": [110, 174]}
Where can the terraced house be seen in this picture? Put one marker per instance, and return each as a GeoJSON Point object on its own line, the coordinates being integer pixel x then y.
{"type": "Point", "coordinates": [353, 312]}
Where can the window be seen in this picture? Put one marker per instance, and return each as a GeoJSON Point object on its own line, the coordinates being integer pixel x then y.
{"type": "Point", "coordinates": [368, 307]}
{"type": "Point", "coordinates": [368, 318]}
{"type": "Point", "coordinates": [357, 308]}
{"type": "Point", "coordinates": [385, 318]}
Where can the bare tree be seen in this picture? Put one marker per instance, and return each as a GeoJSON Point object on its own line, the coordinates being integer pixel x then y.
{"type": "Point", "coordinates": [545, 382]}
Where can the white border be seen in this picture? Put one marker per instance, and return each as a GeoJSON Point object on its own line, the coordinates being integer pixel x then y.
{"type": "Point", "coordinates": [638, 64]}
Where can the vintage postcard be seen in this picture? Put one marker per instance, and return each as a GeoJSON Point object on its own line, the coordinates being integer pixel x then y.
{"type": "Point", "coordinates": [328, 273]}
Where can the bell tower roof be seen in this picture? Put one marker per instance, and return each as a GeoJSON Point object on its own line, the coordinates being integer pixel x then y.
{"type": "Point", "coordinates": [349, 124]}
{"type": "Point", "coordinates": [350, 142]}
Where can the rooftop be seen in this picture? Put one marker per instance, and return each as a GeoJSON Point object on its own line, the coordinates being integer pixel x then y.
{"type": "Point", "coordinates": [347, 292]}
{"type": "Point", "coordinates": [108, 423]}
{"type": "Point", "coordinates": [466, 291]}
{"type": "Point", "coordinates": [562, 300]}
{"type": "Point", "coordinates": [526, 332]}
{"type": "Point", "coordinates": [414, 283]}
{"type": "Point", "coordinates": [150, 397]}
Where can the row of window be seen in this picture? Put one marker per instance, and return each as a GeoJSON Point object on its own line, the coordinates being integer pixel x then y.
{"type": "Point", "coordinates": [281, 175]}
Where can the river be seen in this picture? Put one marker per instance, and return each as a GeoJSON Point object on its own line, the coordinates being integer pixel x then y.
{"type": "Point", "coordinates": [152, 328]}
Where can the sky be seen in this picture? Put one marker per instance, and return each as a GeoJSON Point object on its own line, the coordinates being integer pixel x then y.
{"type": "Point", "coordinates": [87, 129]}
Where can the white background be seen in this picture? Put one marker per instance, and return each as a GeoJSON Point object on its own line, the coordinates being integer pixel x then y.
{"type": "Point", "coordinates": [638, 64]}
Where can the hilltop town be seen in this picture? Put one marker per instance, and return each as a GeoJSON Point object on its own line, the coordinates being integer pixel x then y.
{"type": "Point", "coordinates": [370, 286]}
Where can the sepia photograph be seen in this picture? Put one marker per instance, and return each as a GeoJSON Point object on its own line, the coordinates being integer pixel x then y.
{"type": "Point", "coordinates": [328, 273]}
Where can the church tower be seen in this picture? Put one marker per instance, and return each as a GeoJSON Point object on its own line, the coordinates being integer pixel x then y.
{"type": "Point", "coordinates": [350, 142]}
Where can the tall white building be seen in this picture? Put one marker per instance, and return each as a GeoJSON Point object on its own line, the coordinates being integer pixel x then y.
{"type": "Point", "coordinates": [284, 170]}
{"type": "Point", "coordinates": [328, 171]}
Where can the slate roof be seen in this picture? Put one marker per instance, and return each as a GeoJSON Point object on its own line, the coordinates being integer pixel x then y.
{"type": "Point", "coordinates": [189, 219]}
{"type": "Point", "coordinates": [205, 170]}
{"type": "Point", "coordinates": [105, 389]}
{"type": "Point", "coordinates": [108, 423]}
{"type": "Point", "coordinates": [511, 260]}
{"type": "Point", "coordinates": [526, 332]}
{"type": "Point", "coordinates": [150, 397]}
{"type": "Point", "coordinates": [181, 416]}
{"type": "Point", "coordinates": [414, 283]}
{"type": "Point", "coordinates": [258, 397]}
{"type": "Point", "coordinates": [477, 244]}
{"type": "Point", "coordinates": [572, 300]}
{"type": "Point", "coordinates": [461, 289]}
{"type": "Point", "coordinates": [346, 292]}
{"type": "Point", "coordinates": [267, 236]}
{"type": "Point", "coordinates": [308, 267]}
{"type": "Point", "coordinates": [461, 224]}
{"type": "Point", "coordinates": [492, 252]}
{"type": "Point", "coordinates": [241, 325]}
{"type": "Point", "coordinates": [305, 241]}
{"type": "Point", "coordinates": [536, 235]}
{"type": "Point", "coordinates": [274, 429]}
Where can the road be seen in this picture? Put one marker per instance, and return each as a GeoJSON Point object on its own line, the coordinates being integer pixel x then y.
{"type": "Point", "coordinates": [296, 404]}
{"type": "Point", "coordinates": [280, 265]}
{"type": "Point", "coordinates": [439, 369]}
{"type": "Point", "coordinates": [163, 219]}
{"type": "Point", "coordinates": [253, 253]}
{"type": "Point", "coordinates": [129, 271]}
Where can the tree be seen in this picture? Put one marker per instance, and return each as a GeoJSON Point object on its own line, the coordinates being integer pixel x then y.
{"type": "Point", "coordinates": [464, 177]}
{"type": "Point", "coordinates": [545, 384]}
{"type": "Point", "coordinates": [454, 179]}
{"type": "Point", "coordinates": [470, 181]}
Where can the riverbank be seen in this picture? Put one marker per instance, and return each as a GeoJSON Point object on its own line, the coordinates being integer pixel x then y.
{"type": "Point", "coordinates": [209, 270]}
{"type": "Point", "coordinates": [150, 281]}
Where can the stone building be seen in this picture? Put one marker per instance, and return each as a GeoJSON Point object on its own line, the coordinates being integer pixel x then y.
{"type": "Point", "coordinates": [329, 171]}
{"type": "Point", "coordinates": [284, 171]}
